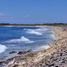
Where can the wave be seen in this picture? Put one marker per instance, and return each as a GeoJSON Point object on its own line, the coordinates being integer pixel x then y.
{"type": "Point", "coordinates": [21, 40]}
{"type": "Point", "coordinates": [2, 48]}
{"type": "Point", "coordinates": [38, 31]}
{"type": "Point", "coordinates": [30, 31]}
{"type": "Point", "coordinates": [41, 48]}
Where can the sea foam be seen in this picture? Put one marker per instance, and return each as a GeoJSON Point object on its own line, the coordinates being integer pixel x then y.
{"type": "Point", "coordinates": [2, 48]}
{"type": "Point", "coordinates": [38, 31]}
{"type": "Point", "coordinates": [41, 48]}
{"type": "Point", "coordinates": [20, 40]}
{"type": "Point", "coordinates": [30, 31]}
{"type": "Point", "coordinates": [53, 36]}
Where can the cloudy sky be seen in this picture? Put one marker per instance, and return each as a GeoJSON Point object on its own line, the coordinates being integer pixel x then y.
{"type": "Point", "coordinates": [33, 11]}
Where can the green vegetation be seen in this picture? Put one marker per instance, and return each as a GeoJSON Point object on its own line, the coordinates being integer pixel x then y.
{"type": "Point", "coordinates": [44, 24]}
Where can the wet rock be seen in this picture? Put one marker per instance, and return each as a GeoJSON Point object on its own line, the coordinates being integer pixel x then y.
{"type": "Point", "coordinates": [23, 52]}
{"type": "Point", "coordinates": [1, 62]}
{"type": "Point", "coordinates": [12, 52]}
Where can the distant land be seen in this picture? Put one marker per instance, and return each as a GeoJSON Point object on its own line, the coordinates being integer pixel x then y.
{"type": "Point", "coordinates": [49, 24]}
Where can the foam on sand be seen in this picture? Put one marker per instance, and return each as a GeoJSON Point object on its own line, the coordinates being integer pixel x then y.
{"type": "Point", "coordinates": [2, 48]}
{"type": "Point", "coordinates": [53, 36]}
{"type": "Point", "coordinates": [41, 48]}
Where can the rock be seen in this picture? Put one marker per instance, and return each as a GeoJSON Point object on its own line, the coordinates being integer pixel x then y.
{"type": "Point", "coordinates": [12, 52]}
{"type": "Point", "coordinates": [16, 65]}
{"type": "Point", "coordinates": [23, 52]}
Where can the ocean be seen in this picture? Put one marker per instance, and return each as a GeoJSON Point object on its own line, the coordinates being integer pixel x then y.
{"type": "Point", "coordinates": [24, 39]}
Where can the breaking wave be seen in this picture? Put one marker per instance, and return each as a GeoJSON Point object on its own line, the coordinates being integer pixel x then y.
{"type": "Point", "coordinates": [30, 31]}
{"type": "Point", "coordinates": [21, 40]}
{"type": "Point", "coordinates": [39, 31]}
{"type": "Point", "coordinates": [2, 48]}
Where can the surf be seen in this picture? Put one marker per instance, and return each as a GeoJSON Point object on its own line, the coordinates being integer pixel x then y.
{"type": "Point", "coordinates": [2, 48]}
{"type": "Point", "coordinates": [20, 40]}
{"type": "Point", "coordinates": [38, 31]}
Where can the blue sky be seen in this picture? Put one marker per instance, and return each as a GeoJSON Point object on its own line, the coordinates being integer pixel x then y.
{"type": "Point", "coordinates": [33, 11]}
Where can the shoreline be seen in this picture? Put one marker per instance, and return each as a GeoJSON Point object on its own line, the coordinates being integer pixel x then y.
{"type": "Point", "coordinates": [36, 57]}
{"type": "Point", "coordinates": [30, 40]}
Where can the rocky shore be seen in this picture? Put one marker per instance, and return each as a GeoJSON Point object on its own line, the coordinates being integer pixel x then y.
{"type": "Point", "coordinates": [54, 56]}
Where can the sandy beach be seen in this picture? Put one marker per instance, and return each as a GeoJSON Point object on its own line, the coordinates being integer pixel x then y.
{"type": "Point", "coordinates": [54, 56]}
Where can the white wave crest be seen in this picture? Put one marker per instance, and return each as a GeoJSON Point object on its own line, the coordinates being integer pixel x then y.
{"type": "Point", "coordinates": [30, 31]}
{"type": "Point", "coordinates": [39, 31]}
{"type": "Point", "coordinates": [21, 40]}
{"type": "Point", "coordinates": [24, 39]}
{"type": "Point", "coordinates": [2, 48]}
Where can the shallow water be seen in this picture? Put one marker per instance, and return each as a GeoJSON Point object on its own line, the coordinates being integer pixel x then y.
{"type": "Point", "coordinates": [24, 38]}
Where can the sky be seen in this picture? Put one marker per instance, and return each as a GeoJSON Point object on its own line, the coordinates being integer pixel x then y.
{"type": "Point", "coordinates": [33, 11]}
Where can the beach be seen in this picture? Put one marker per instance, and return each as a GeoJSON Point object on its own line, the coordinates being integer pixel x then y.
{"type": "Point", "coordinates": [53, 56]}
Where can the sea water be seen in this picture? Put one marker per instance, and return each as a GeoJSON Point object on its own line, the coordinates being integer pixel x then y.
{"type": "Point", "coordinates": [23, 39]}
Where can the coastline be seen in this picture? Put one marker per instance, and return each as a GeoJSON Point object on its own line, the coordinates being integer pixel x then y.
{"type": "Point", "coordinates": [33, 59]}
